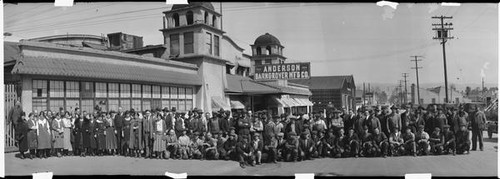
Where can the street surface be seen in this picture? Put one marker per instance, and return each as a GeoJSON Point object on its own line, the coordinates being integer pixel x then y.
{"type": "Point", "coordinates": [478, 163]}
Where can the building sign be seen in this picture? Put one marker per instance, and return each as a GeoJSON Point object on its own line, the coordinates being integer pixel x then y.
{"type": "Point", "coordinates": [282, 71]}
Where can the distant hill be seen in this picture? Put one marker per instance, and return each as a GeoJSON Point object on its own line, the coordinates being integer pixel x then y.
{"type": "Point", "coordinates": [388, 87]}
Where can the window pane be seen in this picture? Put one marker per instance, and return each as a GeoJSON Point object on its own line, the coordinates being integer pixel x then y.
{"type": "Point", "coordinates": [72, 89]}
{"type": "Point", "coordinates": [87, 90]}
{"type": "Point", "coordinates": [55, 104]}
{"type": "Point", "coordinates": [216, 45]}
{"type": "Point", "coordinates": [146, 91]}
{"type": "Point", "coordinates": [39, 104]}
{"type": "Point", "coordinates": [182, 93]}
{"type": "Point", "coordinates": [125, 104]}
{"type": "Point", "coordinates": [156, 92]}
{"type": "Point", "coordinates": [39, 88]}
{"type": "Point", "coordinates": [88, 105]}
{"type": "Point", "coordinates": [146, 104]}
{"type": "Point", "coordinates": [188, 42]}
{"type": "Point", "coordinates": [189, 93]}
{"type": "Point", "coordinates": [165, 104]}
{"type": "Point", "coordinates": [136, 91]}
{"type": "Point", "coordinates": [182, 105]}
{"type": "Point", "coordinates": [71, 104]}
{"type": "Point", "coordinates": [100, 90]}
{"type": "Point", "coordinates": [174, 44]}
{"type": "Point", "coordinates": [165, 92]}
{"type": "Point", "coordinates": [189, 104]}
{"type": "Point", "coordinates": [156, 103]}
{"type": "Point", "coordinates": [209, 43]}
{"type": "Point", "coordinates": [56, 89]}
{"type": "Point", "coordinates": [124, 90]}
{"type": "Point", "coordinates": [136, 105]}
{"type": "Point", "coordinates": [173, 93]}
{"type": "Point", "coordinates": [113, 90]}
{"type": "Point", "coordinates": [113, 105]}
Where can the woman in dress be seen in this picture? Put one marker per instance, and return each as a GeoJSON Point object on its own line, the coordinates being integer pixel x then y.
{"type": "Point", "coordinates": [57, 133]}
{"type": "Point", "coordinates": [67, 129]}
{"type": "Point", "coordinates": [159, 144]}
{"type": "Point", "coordinates": [93, 136]}
{"type": "Point", "coordinates": [110, 134]}
{"type": "Point", "coordinates": [32, 138]}
{"type": "Point", "coordinates": [85, 130]}
{"type": "Point", "coordinates": [43, 136]}
{"type": "Point", "coordinates": [22, 134]}
{"type": "Point", "coordinates": [135, 144]}
{"type": "Point", "coordinates": [101, 138]}
{"type": "Point", "coordinates": [126, 133]}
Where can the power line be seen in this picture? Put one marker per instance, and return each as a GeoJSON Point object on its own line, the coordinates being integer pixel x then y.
{"type": "Point", "coordinates": [442, 34]}
{"type": "Point", "coordinates": [405, 75]}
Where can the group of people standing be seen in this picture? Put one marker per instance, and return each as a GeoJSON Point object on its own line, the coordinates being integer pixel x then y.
{"type": "Point", "coordinates": [250, 138]}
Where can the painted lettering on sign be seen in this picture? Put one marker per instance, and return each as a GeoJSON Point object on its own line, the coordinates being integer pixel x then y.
{"type": "Point", "coordinates": [282, 71]}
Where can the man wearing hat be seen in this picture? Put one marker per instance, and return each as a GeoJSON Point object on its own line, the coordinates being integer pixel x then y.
{"type": "Point", "coordinates": [463, 141]}
{"type": "Point", "coordinates": [280, 140]}
{"type": "Point", "coordinates": [213, 124]}
{"type": "Point", "coordinates": [436, 141]}
{"type": "Point", "coordinates": [245, 152]}
{"type": "Point", "coordinates": [422, 141]}
{"type": "Point", "coordinates": [244, 124]}
{"type": "Point", "coordinates": [292, 126]}
{"type": "Point", "coordinates": [337, 121]}
{"type": "Point", "coordinates": [440, 119]}
{"type": "Point", "coordinates": [351, 144]}
{"type": "Point", "coordinates": [269, 130]}
{"type": "Point", "coordinates": [291, 147]}
{"type": "Point", "coordinates": [394, 119]}
{"type": "Point", "coordinates": [453, 120]}
{"type": "Point", "coordinates": [429, 118]}
{"type": "Point", "coordinates": [119, 123]}
{"type": "Point", "coordinates": [359, 122]}
{"type": "Point", "coordinates": [478, 124]}
{"type": "Point", "coordinates": [373, 122]}
{"type": "Point", "coordinates": [257, 146]}
{"type": "Point", "coordinates": [366, 142]}
{"type": "Point", "coordinates": [396, 147]}
{"type": "Point", "coordinates": [148, 133]}
{"type": "Point", "coordinates": [306, 146]}
{"type": "Point", "coordinates": [380, 143]}
{"type": "Point", "coordinates": [229, 150]}
{"type": "Point", "coordinates": [417, 120]}
{"type": "Point", "coordinates": [449, 140]}
{"type": "Point", "coordinates": [409, 142]}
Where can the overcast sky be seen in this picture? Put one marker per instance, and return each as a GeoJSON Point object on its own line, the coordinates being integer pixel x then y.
{"type": "Point", "coordinates": [370, 42]}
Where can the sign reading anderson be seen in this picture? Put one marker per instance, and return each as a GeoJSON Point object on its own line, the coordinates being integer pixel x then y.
{"type": "Point", "coordinates": [282, 71]}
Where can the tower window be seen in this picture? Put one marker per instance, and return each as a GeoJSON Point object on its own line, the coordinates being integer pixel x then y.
{"type": "Point", "coordinates": [214, 19]}
{"type": "Point", "coordinates": [209, 43]}
{"type": "Point", "coordinates": [258, 51]}
{"type": "Point", "coordinates": [268, 50]}
{"type": "Point", "coordinates": [216, 45]}
{"type": "Point", "coordinates": [174, 44]}
{"type": "Point", "coordinates": [188, 42]}
{"type": "Point", "coordinates": [206, 17]}
{"type": "Point", "coordinates": [176, 20]}
{"type": "Point", "coordinates": [189, 17]}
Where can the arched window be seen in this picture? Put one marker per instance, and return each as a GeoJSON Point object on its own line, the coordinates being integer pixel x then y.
{"type": "Point", "coordinates": [258, 51]}
{"type": "Point", "coordinates": [206, 17]}
{"type": "Point", "coordinates": [268, 50]}
{"type": "Point", "coordinates": [176, 20]}
{"type": "Point", "coordinates": [214, 19]}
{"type": "Point", "coordinates": [189, 17]}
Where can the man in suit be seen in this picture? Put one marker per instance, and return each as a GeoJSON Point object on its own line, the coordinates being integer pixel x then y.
{"type": "Point", "coordinates": [291, 147]}
{"type": "Point", "coordinates": [422, 140]}
{"type": "Point", "coordinates": [147, 134]}
{"type": "Point", "coordinates": [449, 140]}
{"type": "Point", "coordinates": [462, 139]}
{"type": "Point", "coordinates": [245, 152]}
{"type": "Point", "coordinates": [373, 122]}
{"type": "Point", "coordinates": [119, 120]}
{"type": "Point", "coordinates": [306, 146]}
{"type": "Point", "coordinates": [394, 119]}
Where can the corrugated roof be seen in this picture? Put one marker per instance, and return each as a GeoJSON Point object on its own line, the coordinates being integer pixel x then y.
{"type": "Point", "coordinates": [245, 85]}
{"type": "Point", "coordinates": [11, 51]}
{"type": "Point", "coordinates": [325, 82]}
{"type": "Point", "coordinates": [78, 68]}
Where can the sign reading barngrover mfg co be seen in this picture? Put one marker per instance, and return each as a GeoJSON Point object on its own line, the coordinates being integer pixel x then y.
{"type": "Point", "coordinates": [282, 71]}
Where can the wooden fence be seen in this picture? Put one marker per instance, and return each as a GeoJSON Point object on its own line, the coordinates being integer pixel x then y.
{"type": "Point", "coordinates": [10, 98]}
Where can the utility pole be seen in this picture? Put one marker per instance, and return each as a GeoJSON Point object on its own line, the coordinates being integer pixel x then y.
{"type": "Point", "coordinates": [442, 34]}
{"type": "Point", "coordinates": [405, 75]}
{"type": "Point", "coordinates": [364, 94]}
{"type": "Point", "coordinates": [416, 70]}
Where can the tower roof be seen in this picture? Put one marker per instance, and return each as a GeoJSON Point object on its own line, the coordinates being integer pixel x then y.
{"type": "Point", "coordinates": [267, 39]}
{"type": "Point", "coordinates": [191, 4]}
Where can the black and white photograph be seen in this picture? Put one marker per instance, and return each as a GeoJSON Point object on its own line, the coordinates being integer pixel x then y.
{"type": "Point", "coordinates": [251, 89]}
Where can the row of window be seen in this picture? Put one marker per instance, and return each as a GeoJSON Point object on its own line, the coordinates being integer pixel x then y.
{"type": "Point", "coordinates": [70, 94]}
{"type": "Point", "coordinates": [189, 44]}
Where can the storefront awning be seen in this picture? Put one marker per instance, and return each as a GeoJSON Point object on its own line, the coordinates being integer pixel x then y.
{"type": "Point", "coordinates": [218, 102]}
{"type": "Point", "coordinates": [289, 102]}
{"type": "Point", "coordinates": [280, 102]}
{"type": "Point", "coordinates": [308, 102]}
{"type": "Point", "coordinates": [299, 102]}
{"type": "Point", "coordinates": [235, 104]}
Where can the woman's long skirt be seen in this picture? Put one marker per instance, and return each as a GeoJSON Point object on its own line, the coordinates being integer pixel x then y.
{"type": "Point", "coordinates": [67, 139]}
{"type": "Point", "coordinates": [159, 145]}
{"type": "Point", "coordinates": [110, 138]}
